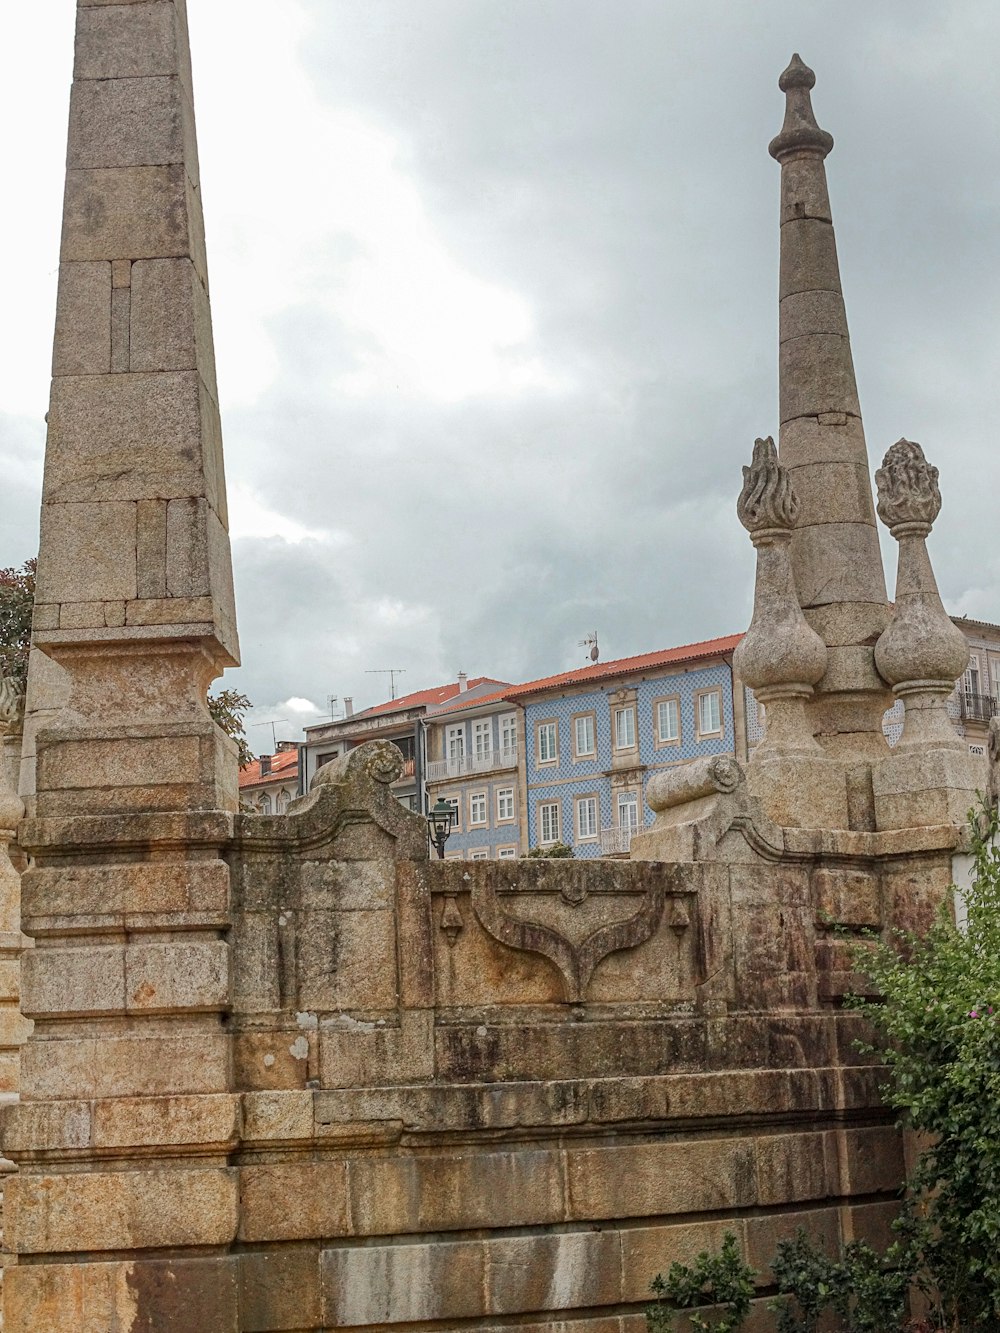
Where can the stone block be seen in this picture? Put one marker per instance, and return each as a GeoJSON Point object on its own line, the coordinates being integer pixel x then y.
{"type": "Point", "coordinates": [191, 1062]}
{"type": "Point", "coordinates": [349, 886]}
{"type": "Point", "coordinates": [129, 213]}
{"type": "Point", "coordinates": [833, 492]}
{"type": "Point", "coordinates": [81, 615]}
{"type": "Point", "coordinates": [847, 898]}
{"type": "Point", "coordinates": [832, 562]}
{"type": "Point", "coordinates": [84, 547]}
{"type": "Point", "coordinates": [763, 1234]}
{"type": "Point", "coordinates": [455, 1191]}
{"type": "Point", "coordinates": [187, 548]}
{"type": "Point", "coordinates": [126, 123]}
{"type": "Point", "coordinates": [177, 977]}
{"type": "Point", "coordinates": [83, 320]}
{"type": "Point", "coordinates": [277, 1116]}
{"type": "Point", "coordinates": [123, 1122]}
{"type": "Point", "coordinates": [46, 1126]}
{"type": "Point", "coordinates": [849, 623]}
{"type": "Point", "coordinates": [795, 1168]}
{"type": "Point", "coordinates": [808, 258]}
{"type": "Point", "coordinates": [644, 1179]}
{"type": "Point", "coordinates": [65, 982]}
{"type": "Point", "coordinates": [294, 1201]}
{"type": "Point", "coordinates": [357, 1055]}
{"type": "Point", "coordinates": [274, 1060]}
{"type": "Point", "coordinates": [561, 1272]}
{"type": "Point", "coordinates": [120, 1210]}
{"type": "Point", "coordinates": [151, 553]}
{"type": "Point", "coordinates": [870, 1160]}
{"type": "Point", "coordinates": [129, 893]}
{"type": "Point", "coordinates": [126, 41]}
{"type": "Point", "coordinates": [374, 1286]}
{"type": "Point", "coordinates": [102, 426]}
{"type": "Point", "coordinates": [180, 1295]}
{"type": "Point", "coordinates": [171, 322]}
{"type": "Point", "coordinates": [812, 312]}
{"type": "Point", "coordinates": [171, 611]}
{"type": "Point", "coordinates": [347, 961]}
{"type": "Point", "coordinates": [816, 375]}
{"type": "Point", "coordinates": [917, 788]}
{"type": "Point", "coordinates": [280, 1290]}
{"type": "Point", "coordinates": [803, 192]}
{"type": "Point", "coordinates": [647, 1251]}
{"type": "Point", "coordinates": [121, 305]}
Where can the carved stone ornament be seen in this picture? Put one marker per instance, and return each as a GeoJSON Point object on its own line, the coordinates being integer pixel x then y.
{"type": "Point", "coordinates": [11, 701]}
{"type": "Point", "coordinates": [767, 499]}
{"type": "Point", "coordinates": [920, 653]}
{"type": "Point", "coordinates": [781, 657]}
{"type": "Point", "coordinates": [907, 487]}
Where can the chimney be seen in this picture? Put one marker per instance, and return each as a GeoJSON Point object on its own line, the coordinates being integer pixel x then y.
{"type": "Point", "coordinates": [463, 682]}
{"type": "Point", "coordinates": [265, 765]}
{"type": "Point", "coordinates": [348, 705]}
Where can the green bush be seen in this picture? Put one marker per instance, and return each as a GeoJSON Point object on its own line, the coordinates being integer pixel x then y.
{"type": "Point", "coordinates": [552, 849]}
{"type": "Point", "coordinates": [720, 1280]}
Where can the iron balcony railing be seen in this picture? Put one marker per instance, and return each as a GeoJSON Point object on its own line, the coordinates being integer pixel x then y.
{"type": "Point", "coordinates": [464, 765]}
{"type": "Point", "coordinates": [616, 841]}
{"type": "Point", "coordinates": [977, 707]}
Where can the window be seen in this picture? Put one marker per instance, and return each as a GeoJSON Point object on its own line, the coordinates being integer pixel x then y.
{"type": "Point", "coordinates": [284, 800]}
{"type": "Point", "coordinates": [628, 810]}
{"type": "Point", "coordinates": [709, 712]}
{"type": "Point", "coordinates": [547, 743]}
{"type": "Point", "coordinates": [586, 817]}
{"type": "Point", "coordinates": [453, 802]}
{"type": "Point", "coordinates": [508, 731]}
{"type": "Point", "coordinates": [506, 853]}
{"type": "Point", "coordinates": [505, 804]}
{"type": "Point", "coordinates": [625, 728]}
{"type": "Point", "coordinates": [479, 854]}
{"type": "Point", "coordinates": [668, 721]}
{"type": "Point", "coordinates": [264, 804]}
{"type": "Point", "coordinates": [482, 738]}
{"type": "Point", "coordinates": [972, 675]}
{"type": "Point", "coordinates": [548, 822]}
{"type": "Point", "coordinates": [325, 758]}
{"type": "Point", "coordinates": [477, 808]}
{"type": "Point", "coordinates": [456, 742]}
{"type": "Point", "coordinates": [583, 736]}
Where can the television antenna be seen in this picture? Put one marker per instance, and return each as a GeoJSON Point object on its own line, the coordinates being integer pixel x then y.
{"type": "Point", "coordinates": [591, 642]}
{"type": "Point", "coordinates": [391, 672]}
{"type": "Point", "coordinates": [272, 725]}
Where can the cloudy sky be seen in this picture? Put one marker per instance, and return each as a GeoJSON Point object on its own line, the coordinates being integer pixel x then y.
{"type": "Point", "coordinates": [494, 290]}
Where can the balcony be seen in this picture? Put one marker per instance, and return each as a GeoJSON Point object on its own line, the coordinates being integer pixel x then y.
{"type": "Point", "coordinates": [616, 841]}
{"type": "Point", "coordinates": [467, 765]}
{"type": "Point", "coordinates": [977, 707]}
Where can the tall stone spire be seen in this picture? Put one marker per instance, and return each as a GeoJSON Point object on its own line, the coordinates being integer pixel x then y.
{"type": "Point", "coordinates": [134, 608]}
{"type": "Point", "coordinates": [836, 561]}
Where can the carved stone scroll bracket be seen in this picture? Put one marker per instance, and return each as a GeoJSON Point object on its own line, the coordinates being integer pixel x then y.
{"type": "Point", "coordinates": [781, 657]}
{"type": "Point", "coordinates": [576, 962]}
{"type": "Point", "coordinates": [921, 653]}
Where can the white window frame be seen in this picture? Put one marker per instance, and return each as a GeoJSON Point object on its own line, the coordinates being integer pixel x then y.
{"type": "Point", "coordinates": [544, 841]}
{"type": "Point", "coordinates": [479, 854]}
{"type": "Point", "coordinates": [658, 705]}
{"type": "Point", "coordinates": [456, 805]}
{"type": "Point", "coordinates": [701, 698]}
{"type": "Point", "coordinates": [501, 817]}
{"type": "Point", "coordinates": [455, 742]}
{"type": "Point", "coordinates": [508, 731]}
{"type": "Point", "coordinates": [264, 804]}
{"type": "Point", "coordinates": [628, 800]}
{"type": "Point", "coordinates": [550, 725]}
{"type": "Point", "coordinates": [480, 798]}
{"type": "Point", "coordinates": [579, 753]}
{"type": "Point", "coordinates": [586, 832]}
{"type": "Point", "coordinates": [482, 729]}
{"type": "Point", "coordinates": [507, 853]}
{"type": "Point", "coordinates": [623, 711]}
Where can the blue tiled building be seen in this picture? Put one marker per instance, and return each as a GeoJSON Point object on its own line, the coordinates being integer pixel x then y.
{"type": "Point", "coordinates": [593, 737]}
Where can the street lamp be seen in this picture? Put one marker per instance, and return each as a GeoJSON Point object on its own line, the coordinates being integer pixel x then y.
{"type": "Point", "coordinates": [440, 820]}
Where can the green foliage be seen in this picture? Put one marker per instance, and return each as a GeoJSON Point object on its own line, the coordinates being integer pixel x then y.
{"type": "Point", "coordinates": [554, 849]}
{"type": "Point", "coordinates": [867, 1292]}
{"type": "Point", "coordinates": [939, 1020]}
{"type": "Point", "coordinates": [227, 708]}
{"type": "Point", "coordinates": [17, 601]}
{"type": "Point", "coordinates": [721, 1281]}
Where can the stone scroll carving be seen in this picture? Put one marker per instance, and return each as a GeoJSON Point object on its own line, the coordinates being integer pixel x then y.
{"type": "Point", "coordinates": [575, 962]}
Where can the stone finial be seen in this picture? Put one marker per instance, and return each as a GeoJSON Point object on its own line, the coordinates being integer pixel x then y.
{"type": "Point", "coordinates": [920, 653]}
{"type": "Point", "coordinates": [767, 499]}
{"type": "Point", "coordinates": [11, 701]}
{"type": "Point", "coordinates": [799, 133]}
{"type": "Point", "coordinates": [907, 487]}
{"type": "Point", "coordinates": [780, 657]}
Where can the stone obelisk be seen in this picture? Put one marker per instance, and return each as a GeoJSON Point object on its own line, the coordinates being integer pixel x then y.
{"type": "Point", "coordinates": [127, 1114]}
{"type": "Point", "coordinates": [836, 561]}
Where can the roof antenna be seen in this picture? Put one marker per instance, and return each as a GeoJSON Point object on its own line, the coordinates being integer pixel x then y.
{"type": "Point", "coordinates": [591, 642]}
{"type": "Point", "coordinates": [392, 673]}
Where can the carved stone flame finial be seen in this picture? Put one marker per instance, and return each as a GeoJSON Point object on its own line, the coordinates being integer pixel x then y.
{"type": "Point", "coordinates": [11, 701]}
{"type": "Point", "coordinates": [767, 499]}
{"type": "Point", "coordinates": [907, 487]}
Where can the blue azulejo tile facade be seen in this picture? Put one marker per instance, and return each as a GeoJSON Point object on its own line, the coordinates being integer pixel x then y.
{"type": "Point", "coordinates": [493, 797]}
{"type": "Point", "coordinates": [590, 752]}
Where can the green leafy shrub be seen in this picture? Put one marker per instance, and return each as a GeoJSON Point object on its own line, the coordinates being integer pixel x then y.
{"type": "Point", "coordinates": [722, 1281]}
{"type": "Point", "coordinates": [552, 849]}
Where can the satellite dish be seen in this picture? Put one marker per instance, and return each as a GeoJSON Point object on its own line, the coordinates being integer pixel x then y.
{"type": "Point", "coordinates": [591, 642]}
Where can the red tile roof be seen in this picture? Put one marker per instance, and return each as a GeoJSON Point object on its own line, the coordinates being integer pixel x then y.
{"type": "Point", "coordinates": [688, 652]}
{"type": "Point", "coordinates": [284, 764]}
{"type": "Point", "coordinates": [438, 694]}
